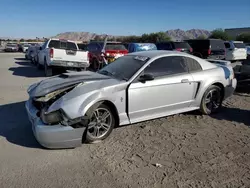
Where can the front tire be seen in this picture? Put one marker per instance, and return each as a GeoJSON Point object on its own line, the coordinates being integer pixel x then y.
{"type": "Point", "coordinates": [212, 100]}
{"type": "Point", "coordinates": [38, 65]}
{"type": "Point", "coordinates": [101, 123]}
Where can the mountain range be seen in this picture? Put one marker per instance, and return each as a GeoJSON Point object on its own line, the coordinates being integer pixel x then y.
{"type": "Point", "coordinates": [176, 34]}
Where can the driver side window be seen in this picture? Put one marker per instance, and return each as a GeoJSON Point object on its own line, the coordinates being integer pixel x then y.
{"type": "Point", "coordinates": [167, 66]}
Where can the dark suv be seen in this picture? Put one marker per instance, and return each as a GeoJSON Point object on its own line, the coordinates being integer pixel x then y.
{"type": "Point", "coordinates": [208, 48]}
{"type": "Point", "coordinates": [110, 53]}
{"type": "Point", "coordinates": [175, 46]}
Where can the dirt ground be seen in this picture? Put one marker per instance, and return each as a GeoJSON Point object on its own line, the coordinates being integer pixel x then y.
{"type": "Point", "coordinates": [185, 150]}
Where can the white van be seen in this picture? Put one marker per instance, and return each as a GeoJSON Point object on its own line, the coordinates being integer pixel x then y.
{"type": "Point", "coordinates": [235, 50]}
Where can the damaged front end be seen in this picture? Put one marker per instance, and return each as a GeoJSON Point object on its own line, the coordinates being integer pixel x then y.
{"type": "Point", "coordinates": [43, 103]}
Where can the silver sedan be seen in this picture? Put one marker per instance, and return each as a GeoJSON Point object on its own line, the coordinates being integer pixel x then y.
{"type": "Point", "coordinates": [73, 107]}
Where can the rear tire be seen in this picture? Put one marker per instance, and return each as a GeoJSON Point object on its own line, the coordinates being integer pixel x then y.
{"type": "Point", "coordinates": [47, 70]}
{"type": "Point", "coordinates": [212, 100]}
{"type": "Point", "coordinates": [96, 65]}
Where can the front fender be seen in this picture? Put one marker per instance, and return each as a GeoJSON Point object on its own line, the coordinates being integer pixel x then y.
{"type": "Point", "coordinates": [94, 99]}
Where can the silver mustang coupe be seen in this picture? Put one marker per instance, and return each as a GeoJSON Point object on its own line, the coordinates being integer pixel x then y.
{"type": "Point", "coordinates": [70, 108]}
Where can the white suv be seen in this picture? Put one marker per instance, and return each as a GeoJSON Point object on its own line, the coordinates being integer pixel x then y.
{"type": "Point", "coordinates": [235, 50]}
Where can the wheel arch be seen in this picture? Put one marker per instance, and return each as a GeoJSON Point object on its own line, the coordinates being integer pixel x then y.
{"type": "Point", "coordinates": [220, 85]}
{"type": "Point", "coordinates": [110, 104]}
{"type": "Point", "coordinates": [204, 88]}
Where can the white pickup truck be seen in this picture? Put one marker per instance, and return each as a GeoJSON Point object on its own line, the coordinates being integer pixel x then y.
{"type": "Point", "coordinates": [57, 54]}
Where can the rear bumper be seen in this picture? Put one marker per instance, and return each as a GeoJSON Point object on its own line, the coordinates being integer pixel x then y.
{"type": "Point", "coordinates": [221, 57]}
{"type": "Point", "coordinates": [232, 57]}
{"type": "Point", "coordinates": [229, 90]}
{"type": "Point", "coordinates": [69, 64]}
{"type": "Point", "coordinates": [10, 50]}
{"type": "Point", "coordinates": [56, 136]}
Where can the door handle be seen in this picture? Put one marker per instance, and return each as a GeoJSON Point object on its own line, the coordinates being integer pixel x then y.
{"type": "Point", "coordinates": [185, 81]}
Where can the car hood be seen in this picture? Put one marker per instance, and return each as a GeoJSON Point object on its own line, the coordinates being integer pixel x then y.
{"type": "Point", "coordinates": [65, 80]}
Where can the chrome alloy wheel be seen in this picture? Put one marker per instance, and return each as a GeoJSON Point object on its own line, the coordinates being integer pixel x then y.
{"type": "Point", "coordinates": [100, 123]}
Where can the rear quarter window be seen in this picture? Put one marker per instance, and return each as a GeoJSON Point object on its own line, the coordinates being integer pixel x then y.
{"type": "Point", "coordinates": [193, 65]}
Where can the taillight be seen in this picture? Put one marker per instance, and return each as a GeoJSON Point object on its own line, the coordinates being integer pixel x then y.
{"type": "Point", "coordinates": [191, 50]}
{"type": "Point", "coordinates": [209, 51]}
{"type": "Point", "coordinates": [51, 53]}
{"type": "Point", "coordinates": [178, 49]}
{"type": "Point", "coordinates": [88, 57]}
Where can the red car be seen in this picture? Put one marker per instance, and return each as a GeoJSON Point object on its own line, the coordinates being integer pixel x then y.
{"type": "Point", "coordinates": [108, 50]}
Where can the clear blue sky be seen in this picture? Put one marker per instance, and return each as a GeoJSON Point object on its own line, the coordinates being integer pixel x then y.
{"type": "Point", "coordinates": [44, 18]}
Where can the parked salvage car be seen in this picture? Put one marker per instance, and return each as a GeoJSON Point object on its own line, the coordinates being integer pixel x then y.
{"type": "Point", "coordinates": [235, 50]}
{"type": "Point", "coordinates": [11, 47]}
{"type": "Point", "coordinates": [110, 50]}
{"type": "Point", "coordinates": [71, 107]}
{"type": "Point", "coordinates": [175, 46]}
{"type": "Point", "coordinates": [138, 47]}
{"type": "Point", "coordinates": [31, 52]}
{"type": "Point", "coordinates": [24, 47]}
{"type": "Point", "coordinates": [57, 54]}
{"type": "Point", "coordinates": [208, 48]}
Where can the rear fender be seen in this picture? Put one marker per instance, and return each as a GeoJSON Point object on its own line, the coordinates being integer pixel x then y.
{"type": "Point", "coordinates": [204, 86]}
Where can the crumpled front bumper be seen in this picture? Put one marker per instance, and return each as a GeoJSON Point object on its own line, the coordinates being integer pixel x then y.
{"type": "Point", "coordinates": [55, 136]}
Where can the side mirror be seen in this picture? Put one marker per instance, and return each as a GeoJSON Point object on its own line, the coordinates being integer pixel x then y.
{"type": "Point", "coordinates": [146, 77]}
{"type": "Point", "coordinates": [40, 48]}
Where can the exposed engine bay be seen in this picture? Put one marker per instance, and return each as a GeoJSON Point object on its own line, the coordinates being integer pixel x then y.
{"type": "Point", "coordinates": [43, 103]}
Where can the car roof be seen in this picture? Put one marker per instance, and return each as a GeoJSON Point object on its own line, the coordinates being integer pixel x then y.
{"type": "Point", "coordinates": [156, 53]}
{"type": "Point", "coordinates": [161, 53]}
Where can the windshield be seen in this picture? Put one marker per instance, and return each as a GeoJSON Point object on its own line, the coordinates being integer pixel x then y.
{"type": "Point", "coordinates": [239, 45]}
{"type": "Point", "coordinates": [62, 45]}
{"type": "Point", "coordinates": [124, 67]}
{"type": "Point", "coordinates": [110, 46]}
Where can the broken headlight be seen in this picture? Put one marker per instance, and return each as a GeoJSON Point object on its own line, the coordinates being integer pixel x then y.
{"type": "Point", "coordinates": [52, 117]}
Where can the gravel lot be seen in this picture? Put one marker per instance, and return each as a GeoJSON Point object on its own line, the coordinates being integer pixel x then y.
{"type": "Point", "coordinates": [191, 150]}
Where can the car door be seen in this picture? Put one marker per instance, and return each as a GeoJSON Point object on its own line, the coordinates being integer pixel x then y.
{"type": "Point", "coordinates": [171, 91]}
